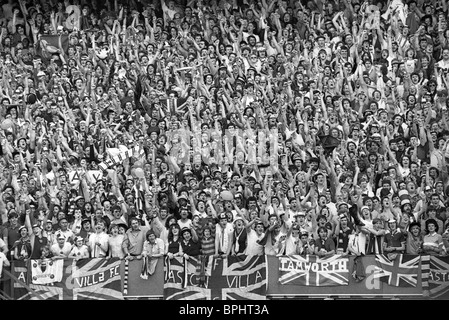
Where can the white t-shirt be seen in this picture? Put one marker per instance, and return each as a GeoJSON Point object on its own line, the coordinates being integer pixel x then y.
{"type": "Point", "coordinates": [103, 239]}
{"type": "Point", "coordinates": [253, 248]}
{"type": "Point", "coordinates": [290, 245]}
{"type": "Point", "coordinates": [357, 243]}
{"type": "Point", "coordinates": [185, 224]}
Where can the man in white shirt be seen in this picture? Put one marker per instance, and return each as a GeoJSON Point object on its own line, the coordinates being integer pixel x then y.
{"type": "Point", "coordinates": [223, 236]}
{"type": "Point", "coordinates": [254, 236]}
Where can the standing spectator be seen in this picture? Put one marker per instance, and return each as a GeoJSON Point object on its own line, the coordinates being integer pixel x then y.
{"type": "Point", "coordinates": [239, 237]}
{"type": "Point", "coordinates": [37, 241]}
{"type": "Point", "coordinates": [433, 241]}
{"type": "Point", "coordinates": [115, 241]}
{"type": "Point", "coordinates": [414, 244]}
{"type": "Point", "coordinates": [22, 247]}
{"type": "Point", "coordinates": [325, 245]}
{"type": "Point", "coordinates": [62, 248]}
{"type": "Point", "coordinates": [255, 230]}
{"type": "Point", "coordinates": [223, 236]}
{"type": "Point", "coordinates": [134, 238]}
{"type": "Point", "coordinates": [173, 247]}
{"type": "Point", "coordinates": [99, 241]}
{"type": "Point", "coordinates": [153, 249]}
{"type": "Point", "coordinates": [189, 243]}
{"type": "Point", "coordinates": [394, 242]}
{"type": "Point", "coordinates": [79, 250]}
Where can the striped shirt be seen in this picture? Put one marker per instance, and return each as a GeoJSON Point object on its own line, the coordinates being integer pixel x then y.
{"type": "Point", "coordinates": [208, 246]}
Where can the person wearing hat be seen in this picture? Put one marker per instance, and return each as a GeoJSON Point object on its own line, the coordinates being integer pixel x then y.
{"type": "Point", "coordinates": [79, 250]}
{"type": "Point", "coordinates": [239, 237]}
{"type": "Point", "coordinates": [64, 229]}
{"type": "Point", "coordinates": [432, 241]}
{"type": "Point", "coordinates": [22, 247]}
{"type": "Point", "coordinates": [301, 221]}
{"type": "Point", "coordinates": [415, 239]}
{"type": "Point", "coordinates": [223, 236]}
{"type": "Point", "coordinates": [394, 241]}
{"type": "Point", "coordinates": [37, 240]}
{"type": "Point", "coordinates": [306, 245]}
{"type": "Point", "coordinates": [62, 248]}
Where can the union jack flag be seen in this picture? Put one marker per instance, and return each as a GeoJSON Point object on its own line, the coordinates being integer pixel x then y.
{"type": "Point", "coordinates": [435, 276]}
{"type": "Point", "coordinates": [97, 279]}
{"type": "Point", "coordinates": [85, 279]}
{"type": "Point", "coordinates": [313, 270]}
{"type": "Point", "coordinates": [232, 278]}
{"type": "Point", "coordinates": [401, 272]}
{"type": "Point", "coordinates": [44, 292]}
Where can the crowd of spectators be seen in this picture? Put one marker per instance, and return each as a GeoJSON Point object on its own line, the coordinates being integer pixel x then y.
{"type": "Point", "coordinates": [144, 128]}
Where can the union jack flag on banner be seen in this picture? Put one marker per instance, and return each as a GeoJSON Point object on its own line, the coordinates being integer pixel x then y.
{"type": "Point", "coordinates": [435, 276]}
{"type": "Point", "coordinates": [401, 272]}
{"type": "Point", "coordinates": [97, 279]}
{"type": "Point", "coordinates": [85, 279]}
{"type": "Point", "coordinates": [313, 270]}
{"type": "Point", "coordinates": [208, 278]}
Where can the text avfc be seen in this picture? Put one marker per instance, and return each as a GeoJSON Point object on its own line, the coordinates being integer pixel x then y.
{"type": "Point", "coordinates": [86, 280]}
{"type": "Point", "coordinates": [334, 266]}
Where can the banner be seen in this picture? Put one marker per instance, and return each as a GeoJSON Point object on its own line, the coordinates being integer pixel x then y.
{"type": "Point", "coordinates": [97, 279]}
{"type": "Point", "coordinates": [53, 41]}
{"type": "Point", "coordinates": [94, 176]}
{"type": "Point", "coordinates": [435, 274]}
{"type": "Point", "coordinates": [46, 271]}
{"type": "Point", "coordinates": [312, 270]}
{"type": "Point", "coordinates": [136, 152]}
{"type": "Point", "coordinates": [401, 272]}
{"type": "Point", "coordinates": [153, 287]}
{"type": "Point", "coordinates": [20, 271]}
{"type": "Point", "coordinates": [85, 279]}
{"type": "Point", "coordinates": [208, 278]}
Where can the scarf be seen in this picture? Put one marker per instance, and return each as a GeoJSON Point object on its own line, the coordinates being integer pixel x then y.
{"type": "Point", "coordinates": [237, 238]}
{"type": "Point", "coordinates": [76, 226]}
{"type": "Point", "coordinates": [224, 240]}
